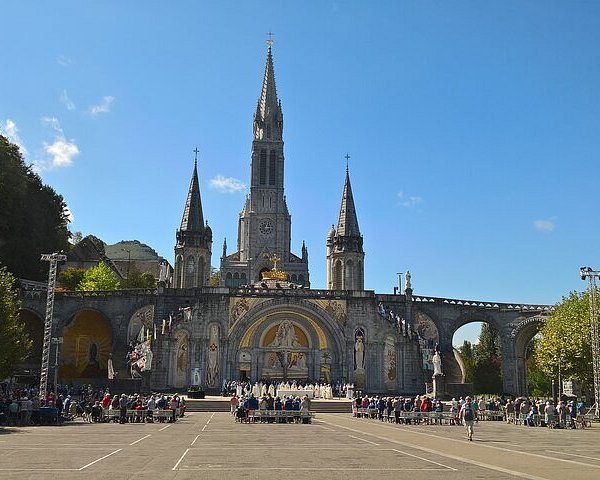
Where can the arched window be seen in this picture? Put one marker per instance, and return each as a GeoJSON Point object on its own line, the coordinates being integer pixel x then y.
{"type": "Point", "coordinates": [301, 279]}
{"type": "Point", "coordinates": [272, 170]}
{"type": "Point", "coordinates": [228, 280]}
{"type": "Point", "coordinates": [361, 276]}
{"type": "Point", "coordinates": [337, 275]}
{"type": "Point", "coordinates": [262, 170]}
{"type": "Point", "coordinates": [243, 279]}
{"type": "Point", "coordinates": [202, 276]}
{"type": "Point", "coordinates": [190, 272]}
{"type": "Point", "coordinates": [349, 276]}
{"type": "Point", "coordinates": [268, 131]}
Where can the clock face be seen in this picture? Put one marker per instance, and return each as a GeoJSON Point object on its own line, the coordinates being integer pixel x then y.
{"type": "Point", "coordinates": [266, 227]}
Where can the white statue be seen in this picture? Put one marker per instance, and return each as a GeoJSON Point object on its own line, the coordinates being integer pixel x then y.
{"type": "Point", "coordinates": [437, 364]}
{"type": "Point", "coordinates": [285, 336]}
{"type": "Point", "coordinates": [359, 353]}
{"type": "Point", "coordinates": [407, 279]}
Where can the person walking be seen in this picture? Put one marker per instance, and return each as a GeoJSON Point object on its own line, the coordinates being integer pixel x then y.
{"type": "Point", "coordinates": [467, 415]}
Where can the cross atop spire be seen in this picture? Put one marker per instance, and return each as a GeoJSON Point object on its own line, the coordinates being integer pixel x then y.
{"type": "Point", "coordinates": [196, 158]}
{"type": "Point", "coordinates": [347, 157]}
{"type": "Point", "coordinates": [270, 34]}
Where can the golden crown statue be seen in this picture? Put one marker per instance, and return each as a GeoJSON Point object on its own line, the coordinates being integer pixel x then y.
{"type": "Point", "coordinates": [274, 273]}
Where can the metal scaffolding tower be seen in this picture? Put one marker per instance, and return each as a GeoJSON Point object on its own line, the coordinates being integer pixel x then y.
{"type": "Point", "coordinates": [591, 275]}
{"type": "Point", "coordinates": [53, 258]}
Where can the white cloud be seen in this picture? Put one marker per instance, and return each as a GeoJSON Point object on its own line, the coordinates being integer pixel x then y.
{"type": "Point", "coordinates": [61, 152]}
{"type": "Point", "coordinates": [66, 101]}
{"type": "Point", "coordinates": [227, 185]}
{"type": "Point", "coordinates": [64, 61]}
{"type": "Point", "coordinates": [10, 131]}
{"type": "Point", "coordinates": [102, 107]}
{"type": "Point", "coordinates": [545, 226]}
{"type": "Point", "coordinates": [409, 201]}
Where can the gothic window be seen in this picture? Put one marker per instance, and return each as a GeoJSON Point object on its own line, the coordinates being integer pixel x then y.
{"type": "Point", "coordinates": [228, 280]}
{"type": "Point", "coordinates": [349, 276]}
{"type": "Point", "coordinates": [360, 275]}
{"type": "Point", "coordinates": [337, 275]}
{"type": "Point", "coordinates": [272, 162]}
{"type": "Point", "coordinates": [262, 170]}
{"type": "Point", "coordinates": [243, 279]}
{"type": "Point", "coordinates": [268, 131]}
{"type": "Point", "coordinates": [201, 273]}
{"type": "Point", "coordinates": [190, 270]}
{"type": "Point", "coordinates": [301, 279]}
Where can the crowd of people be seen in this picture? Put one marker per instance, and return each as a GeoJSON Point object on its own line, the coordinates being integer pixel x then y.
{"type": "Point", "coordinates": [270, 409]}
{"type": "Point", "coordinates": [24, 406]}
{"type": "Point", "coordinates": [280, 388]}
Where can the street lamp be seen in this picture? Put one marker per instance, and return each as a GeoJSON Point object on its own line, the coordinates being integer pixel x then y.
{"type": "Point", "coordinates": [589, 274]}
{"type": "Point", "coordinates": [400, 281]}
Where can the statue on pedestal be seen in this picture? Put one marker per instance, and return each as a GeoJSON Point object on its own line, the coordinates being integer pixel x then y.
{"type": "Point", "coordinates": [437, 364]}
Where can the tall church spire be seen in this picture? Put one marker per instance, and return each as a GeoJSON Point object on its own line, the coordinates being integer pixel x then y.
{"type": "Point", "coordinates": [193, 218]}
{"type": "Point", "coordinates": [268, 119]}
{"type": "Point", "coordinates": [345, 254]}
{"type": "Point", "coordinates": [347, 220]}
{"type": "Point", "coordinates": [193, 249]}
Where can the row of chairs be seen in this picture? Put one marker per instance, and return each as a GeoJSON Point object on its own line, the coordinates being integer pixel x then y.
{"type": "Point", "coordinates": [141, 416]}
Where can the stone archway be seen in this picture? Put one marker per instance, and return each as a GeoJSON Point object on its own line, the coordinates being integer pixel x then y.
{"type": "Point", "coordinates": [273, 340]}
{"type": "Point", "coordinates": [524, 332]}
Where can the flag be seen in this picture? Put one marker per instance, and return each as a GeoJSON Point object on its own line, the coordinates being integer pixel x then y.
{"type": "Point", "coordinates": [111, 370]}
{"type": "Point", "coordinates": [154, 328]}
{"type": "Point", "coordinates": [170, 321]}
{"type": "Point", "coordinates": [164, 326]}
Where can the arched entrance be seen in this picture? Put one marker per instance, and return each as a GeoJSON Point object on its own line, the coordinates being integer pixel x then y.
{"type": "Point", "coordinates": [87, 344]}
{"type": "Point", "coordinates": [523, 336]}
{"type": "Point", "coordinates": [285, 343]}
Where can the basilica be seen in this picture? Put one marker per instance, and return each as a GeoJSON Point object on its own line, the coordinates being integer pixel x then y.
{"type": "Point", "coordinates": [265, 321]}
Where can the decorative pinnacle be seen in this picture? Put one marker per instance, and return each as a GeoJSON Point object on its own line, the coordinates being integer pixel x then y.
{"type": "Point", "coordinates": [347, 157]}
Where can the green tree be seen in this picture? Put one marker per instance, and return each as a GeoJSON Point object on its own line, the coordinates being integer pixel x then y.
{"type": "Point", "coordinates": [71, 277]}
{"type": "Point", "coordinates": [214, 278]}
{"type": "Point", "coordinates": [137, 279]}
{"type": "Point", "coordinates": [487, 373]}
{"type": "Point", "coordinates": [14, 343]}
{"type": "Point", "coordinates": [33, 217]}
{"type": "Point", "coordinates": [100, 277]}
{"type": "Point", "coordinates": [565, 341]}
{"type": "Point", "coordinates": [466, 353]}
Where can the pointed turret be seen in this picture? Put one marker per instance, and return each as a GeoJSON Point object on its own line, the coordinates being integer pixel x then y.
{"type": "Point", "coordinates": [193, 249]}
{"type": "Point", "coordinates": [347, 221]}
{"type": "Point", "coordinates": [193, 219]}
{"type": "Point", "coordinates": [345, 255]}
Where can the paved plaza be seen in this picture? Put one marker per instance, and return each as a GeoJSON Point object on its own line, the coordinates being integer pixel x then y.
{"type": "Point", "coordinates": [335, 446]}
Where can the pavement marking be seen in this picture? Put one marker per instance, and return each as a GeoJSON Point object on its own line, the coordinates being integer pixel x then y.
{"type": "Point", "coordinates": [538, 455]}
{"type": "Point", "coordinates": [192, 444]}
{"type": "Point", "coordinates": [311, 469]}
{"type": "Point", "coordinates": [448, 455]}
{"type": "Point", "coordinates": [140, 439]}
{"type": "Point", "coordinates": [179, 461]}
{"type": "Point", "coordinates": [326, 428]}
{"type": "Point", "coordinates": [363, 440]}
{"type": "Point", "coordinates": [424, 459]}
{"type": "Point", "coordinates": [575, 455]}
{"type": "Point", "coordinates": [208, 421]}
{"type": "Point", "coordinates": [101, 458]}
{"type": "Point", "coordinates": [164, 428]}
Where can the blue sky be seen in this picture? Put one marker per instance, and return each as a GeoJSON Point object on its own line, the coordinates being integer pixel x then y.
{"type": "Point", "coordinates": [473, 128]}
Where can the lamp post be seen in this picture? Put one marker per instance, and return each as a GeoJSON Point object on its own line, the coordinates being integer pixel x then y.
{"type": "Point", "coordinates": [400, 281]}
{"type": "Point", "coordinates": [589, 274]}
{"type": "Point", "coordinates": [56, 341]}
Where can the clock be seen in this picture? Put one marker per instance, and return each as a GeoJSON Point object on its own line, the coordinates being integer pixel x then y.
{"type": "Point", "coordinates": [266, 227]}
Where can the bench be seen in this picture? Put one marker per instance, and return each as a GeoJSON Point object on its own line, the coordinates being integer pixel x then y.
{"type": "Point", "coordinates": [278, 416]}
